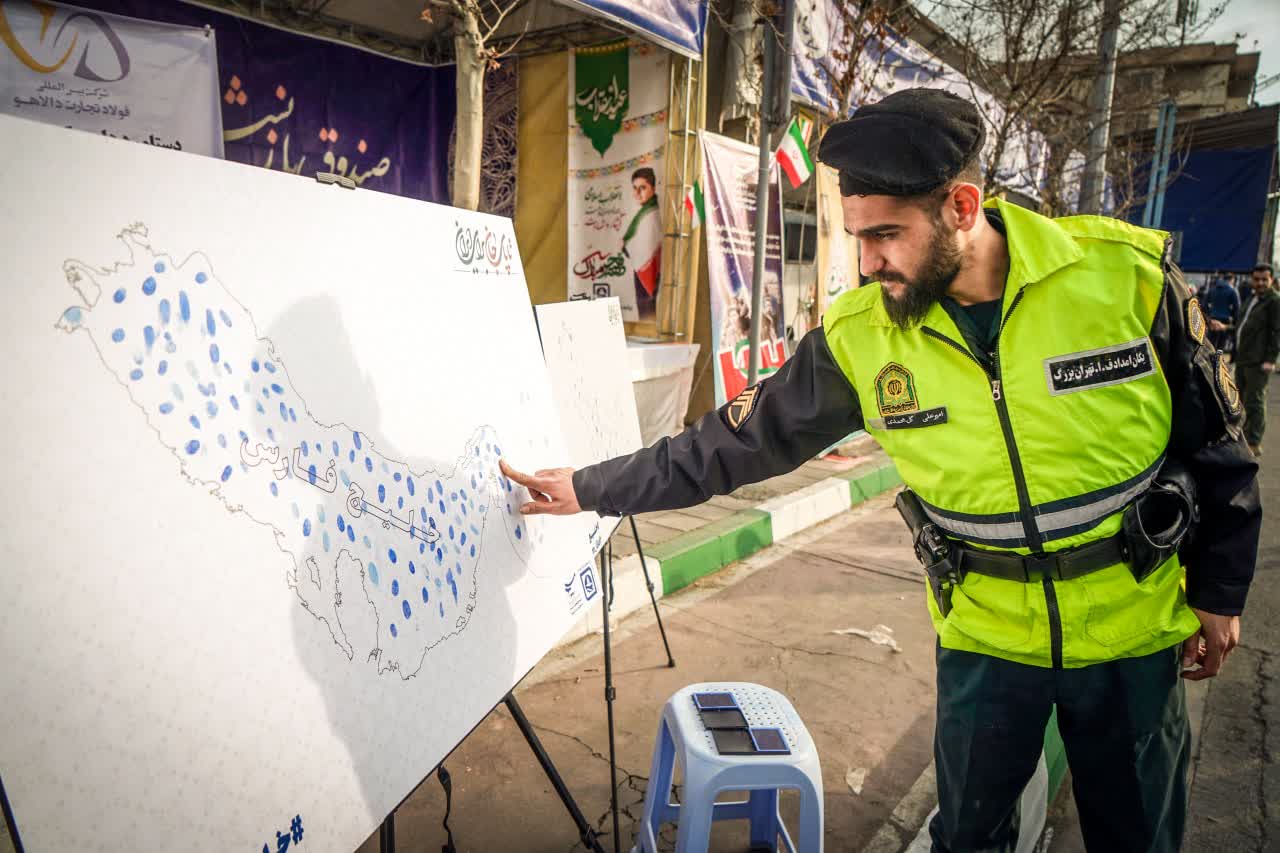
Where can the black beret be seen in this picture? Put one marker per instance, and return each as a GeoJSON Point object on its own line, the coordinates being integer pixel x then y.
{"type": "Point", "coordinates": [913, 141]}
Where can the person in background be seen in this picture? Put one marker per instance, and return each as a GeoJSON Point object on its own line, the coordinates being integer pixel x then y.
{"type": "Point", "coordinates": [1222, 304]}
{"type": "Point", "coordinates": [1201, 290]}
{"type": "Point", "coordinates": [1257, 347]}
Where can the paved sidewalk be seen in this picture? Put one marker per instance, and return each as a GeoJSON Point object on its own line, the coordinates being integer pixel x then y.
{"type": "Point", "coordinates": [769, 619]}
{"type": "Point", "coordinates": [1235, 718]}
{"type": "Point", "coordinates": [1235, 792]}
{"type": "Point", "coordinates": [657, 528]}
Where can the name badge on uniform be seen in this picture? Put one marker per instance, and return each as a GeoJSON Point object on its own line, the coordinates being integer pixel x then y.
{"type": "Point", "coordinates": [912, 420]}
{"type": "Point", "coordinates": [1097, 368]}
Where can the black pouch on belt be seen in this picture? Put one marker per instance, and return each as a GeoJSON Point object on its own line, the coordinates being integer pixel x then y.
{"type": "Point", "coordinates": [1159, 519]}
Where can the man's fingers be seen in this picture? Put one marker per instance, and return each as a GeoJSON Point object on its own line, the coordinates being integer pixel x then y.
{"type": "Point", "coordinates": [536, 507]}
{"type": "Point", "coordinates": [512, 474]}
{"type": "Point", "coordinates": [1190, 650]}
{"type": "Point", "coordinates": [1211, 658]}
{"type": "Point", "coordinates": [1197, 674]}
{"type": "Point", "coordinates": [531, 482]}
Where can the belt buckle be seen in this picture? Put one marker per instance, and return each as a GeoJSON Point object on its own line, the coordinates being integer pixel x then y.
{"type": "Point", "coordinates": [1043, 565]}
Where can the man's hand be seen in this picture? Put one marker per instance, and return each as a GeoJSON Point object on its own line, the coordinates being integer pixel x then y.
{"type": "Point", "coordinates": [1268, 367]}
{"type": "Point", "coordinates": [1209, 647]}
{"type": "Point", "coordinates": [551, 489]}
{"type": "Point", "coordinates": [1217, 326]}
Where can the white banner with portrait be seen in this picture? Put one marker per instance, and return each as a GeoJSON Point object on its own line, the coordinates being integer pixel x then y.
{"type": "Point", "coordinates": [115, 76]}
{"type": "Point", "coordinates": [617, 135]}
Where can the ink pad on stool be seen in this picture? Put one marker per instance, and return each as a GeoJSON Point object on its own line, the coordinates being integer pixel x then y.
{"type": "Point", "coordinates": [769, 741]}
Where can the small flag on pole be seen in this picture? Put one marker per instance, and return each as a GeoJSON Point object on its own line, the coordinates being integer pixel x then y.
{"type": "Point", "coordinates": [694, 203]}
{"type": "Point", "coordinates": [793, 152]}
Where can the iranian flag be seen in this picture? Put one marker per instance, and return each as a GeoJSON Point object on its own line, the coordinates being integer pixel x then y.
{"type": "Point", "coordinates": [697, 207]}
{"type": "Point", "coordinates": [793, 152]}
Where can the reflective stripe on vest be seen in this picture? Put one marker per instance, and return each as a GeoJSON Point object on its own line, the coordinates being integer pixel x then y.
{"type": "Point", "coordinates": [1056, 519]}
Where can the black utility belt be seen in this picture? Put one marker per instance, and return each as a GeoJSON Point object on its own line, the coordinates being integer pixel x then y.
{"type": "Point", "coordinates": [1153, 527]}
{"type": "Point", "coordinates": [1060, 565]}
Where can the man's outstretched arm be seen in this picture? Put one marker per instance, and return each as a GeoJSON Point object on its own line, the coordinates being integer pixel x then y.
{"type": "Point", "coordinates": [767, 430]}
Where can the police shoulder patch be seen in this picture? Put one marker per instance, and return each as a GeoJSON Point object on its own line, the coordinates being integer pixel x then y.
{"type": "Point", "coordinates": [1227, 389]}
{"type": "Point", "coordinates": [896, 390]}
{"type": "Point", "coordinates": [1195, 320]}
{"type": "Point", "coordinates": [741, 407]}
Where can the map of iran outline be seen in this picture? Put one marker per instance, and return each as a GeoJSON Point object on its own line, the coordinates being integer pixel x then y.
{"type": "Point", "coordinates": [384, 556]}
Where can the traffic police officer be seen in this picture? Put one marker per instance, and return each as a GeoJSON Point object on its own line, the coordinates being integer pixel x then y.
{"type": "Point", "coordinates": [1046, 392]}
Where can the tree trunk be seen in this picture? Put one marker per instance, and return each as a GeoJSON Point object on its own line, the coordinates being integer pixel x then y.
{"type": "Point", "coordinates": [469, 124]}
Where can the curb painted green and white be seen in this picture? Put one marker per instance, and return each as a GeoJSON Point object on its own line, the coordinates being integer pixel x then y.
{"type": "Point", "coordinates": [678, 562]}
{"type": "Point", "coordinates": [708, 549]}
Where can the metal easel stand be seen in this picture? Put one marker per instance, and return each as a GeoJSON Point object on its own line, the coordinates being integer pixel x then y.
{"type": "Point", "coordinates": [10, 824]}
{"type": "Point", "coordinates": [588, 836]}
{"type": "Point", "coordinates": [610, 693]}
{"type": "Point", "coordinates": [585, 832]}
{"type": "Point", "coordinates": [606, 601]}
{"type": "Point", "coordinates": [671, 662]}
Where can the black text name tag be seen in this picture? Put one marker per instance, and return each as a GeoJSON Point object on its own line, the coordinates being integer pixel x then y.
{"type": "Point", "coordinates": [1098, 368]}
{"type": "Point", "coordinates": [912, 420]}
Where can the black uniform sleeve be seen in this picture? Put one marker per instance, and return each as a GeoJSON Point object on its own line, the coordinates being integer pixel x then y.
{"type": "Point", "coordinates": [1221, 552]}
{"type": "Point", "coordinates": [767, 430]}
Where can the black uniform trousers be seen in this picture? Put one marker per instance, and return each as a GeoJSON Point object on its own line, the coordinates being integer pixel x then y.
{"type": "Point", "coordinates": [1124, 725]}
{"type": "Point", "coordinates": [1252, 381]}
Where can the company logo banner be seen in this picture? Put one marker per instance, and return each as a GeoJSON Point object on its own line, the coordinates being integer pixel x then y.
{"type": "Point", "coordinates": [120, 77]}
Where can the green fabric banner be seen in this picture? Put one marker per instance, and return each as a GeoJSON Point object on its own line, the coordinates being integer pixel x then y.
{"type": "Point", "coordinates": [602, 91]}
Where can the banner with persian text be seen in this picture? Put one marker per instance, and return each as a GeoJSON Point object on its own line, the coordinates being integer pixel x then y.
{"type": "Point", "coordinates": [730, 173]}
{"type": "Point", "coordinates": [130, 79]}
{"type": "Point", "coordinates": [678, 25]}
{"type": "Point", "coordinates": [617, 134]}
{"type": "Point", "coordinates": [308, 105]}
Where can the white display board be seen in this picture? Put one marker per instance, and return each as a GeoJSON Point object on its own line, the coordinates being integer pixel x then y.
{"type": "Point", "coordinates": [586, 352]}
{"type": "Point", "coordinates": [261, 573]}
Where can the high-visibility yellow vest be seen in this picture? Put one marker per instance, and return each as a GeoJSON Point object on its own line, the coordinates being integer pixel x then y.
{"type": "Point", "coordinates": [1045, 451]}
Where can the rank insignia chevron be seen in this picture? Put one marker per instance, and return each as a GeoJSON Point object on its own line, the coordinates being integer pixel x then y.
{"type": "Point", "coordinates": [741, 407]}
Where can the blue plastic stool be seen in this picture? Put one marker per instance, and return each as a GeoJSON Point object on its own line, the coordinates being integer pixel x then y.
{"type": "Point", "coordinates": [682, 737]}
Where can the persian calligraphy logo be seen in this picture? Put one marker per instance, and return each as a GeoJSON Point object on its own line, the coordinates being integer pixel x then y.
{"type": "Point", "coordinates": [600, 265]}
{"type": "Point", "coordinates": [86, 30]}
{"type": "Point", "coordinates": [483, 250]}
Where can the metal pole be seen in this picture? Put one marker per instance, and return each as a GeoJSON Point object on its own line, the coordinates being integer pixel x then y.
{"type": "Point", "coordinates": [690, 247]}
{"type": "Point", "coordinates": [671, 662]}
{"type": "Point", "coordinates": [585, 833]}
{"type": "Point", "coordinates": [1165, 156]}
{"type": "Point", "coordinates": [11, 824]}
{"type": "Point", "coordinates": [1095, 167]}
{"type": "Point", "coordinates": [681, 242]}
{"type": "Point", "coordinates": [606, 583]}
{"type": "Point", "coordinates": [762, 203]}
{"type": "Point", "coordinates": [1149, 207]}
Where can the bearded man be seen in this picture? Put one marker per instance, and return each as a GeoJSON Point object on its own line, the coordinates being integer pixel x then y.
{"type": "Point", "coordinates": [1046, 392]}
